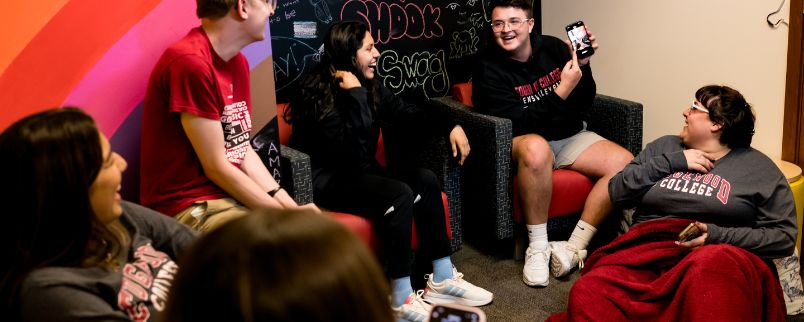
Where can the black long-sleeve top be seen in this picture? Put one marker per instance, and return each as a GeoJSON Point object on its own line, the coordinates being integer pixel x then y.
{"type": "Point", "coordinates": [344, 139]}
{"type": "Point", "coordinates": [524, 91]}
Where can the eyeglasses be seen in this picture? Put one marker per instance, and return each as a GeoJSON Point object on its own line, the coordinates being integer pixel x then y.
{"type": "Point", "coordinates": [514, 23]}
{"type": "Point", "coordinates": [695, 107]}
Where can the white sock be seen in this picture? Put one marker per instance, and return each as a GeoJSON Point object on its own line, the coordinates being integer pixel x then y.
{"type": "Point", "coordinates": [537, 235]}
{"type": "Point", "coordinates": [582, 234]}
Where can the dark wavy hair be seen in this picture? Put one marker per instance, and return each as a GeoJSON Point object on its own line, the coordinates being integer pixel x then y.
{"type": "Point", "coordinates": [315, 96]}
{"type": "Point", "coordinates": [50, 160]}
{"type": "Point", "coordinates": [279, 265]}
{"type": "Point", "coordinates": [728, 108]}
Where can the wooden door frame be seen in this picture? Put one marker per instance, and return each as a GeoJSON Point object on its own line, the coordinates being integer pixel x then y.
{"type": "Point", "coordinates": [792, 143]}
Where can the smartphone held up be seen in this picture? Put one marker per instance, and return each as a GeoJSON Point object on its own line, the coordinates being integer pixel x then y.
{"type": "Point", "coordinates": [579, 39]}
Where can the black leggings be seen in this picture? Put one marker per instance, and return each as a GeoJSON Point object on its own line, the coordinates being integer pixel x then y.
{"type": "Point", "coordinates": [371, 195]}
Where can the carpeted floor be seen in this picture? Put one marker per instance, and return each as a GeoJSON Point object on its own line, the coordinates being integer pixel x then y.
{"type": "Point", "coordinates": [513, 300]}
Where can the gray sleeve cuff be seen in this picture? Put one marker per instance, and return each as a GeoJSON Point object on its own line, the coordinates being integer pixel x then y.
{"type": "Point", "coordinates": [678, 162]}
{"type": "Point", "coordinates": [714, 234]}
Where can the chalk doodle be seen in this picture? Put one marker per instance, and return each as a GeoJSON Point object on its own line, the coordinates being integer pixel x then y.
{"type": "Point", "coordinates": [453, 5]}
{"type": "Point", "coordinates": [289, 68]}
{"type": "Point", "coordinates": [463, 43]}
{"type": "Point", "coordinates": [321, 11]}
{"type": "Point", "coordinates": [424, 70]}
{"type": "Point", "coordinates": [478, 20]}
{"type": "Point", "coordinates": [290, 14]}
{"type": "Point", "coordinates": [389, 21]}
{"type": "Point", "coordinates": [289, 3]}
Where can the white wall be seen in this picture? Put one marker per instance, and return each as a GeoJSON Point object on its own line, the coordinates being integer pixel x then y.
{"type": "Point", "coordinates": [659, 52]}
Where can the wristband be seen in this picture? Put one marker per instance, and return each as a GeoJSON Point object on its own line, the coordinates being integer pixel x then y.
{"type": "Point", "coordinates": [273, 192]}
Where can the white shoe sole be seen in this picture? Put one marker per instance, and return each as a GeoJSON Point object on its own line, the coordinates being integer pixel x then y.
{"type": "Point", "coordinates": [446, 299]}
{"type": "Point", "coordinates": [529, 283]}
{"type": "Point", "coordinates": [557, 267]}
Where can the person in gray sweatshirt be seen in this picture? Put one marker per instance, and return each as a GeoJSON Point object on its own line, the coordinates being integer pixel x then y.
{"type": "Point", "coordinates": [711, 174]}
{"type": "Point", "coordinates": [73, 250]}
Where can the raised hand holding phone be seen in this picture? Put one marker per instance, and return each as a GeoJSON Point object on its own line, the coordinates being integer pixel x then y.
{"type": "Point", "coordinates": [570, 76]}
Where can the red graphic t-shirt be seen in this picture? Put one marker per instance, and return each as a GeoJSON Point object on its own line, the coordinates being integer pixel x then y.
{"type": "Point", "coordinates": [190, 78]}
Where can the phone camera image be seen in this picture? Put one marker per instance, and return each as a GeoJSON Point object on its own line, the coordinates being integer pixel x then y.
{"type": "Point", "coordinates": [445, 314]}
{"type": "Point", "coordinates": [576, 32]}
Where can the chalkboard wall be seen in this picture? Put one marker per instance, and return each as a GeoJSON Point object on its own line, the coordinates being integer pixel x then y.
{"type": "Point", "coordinates": [425, 46]}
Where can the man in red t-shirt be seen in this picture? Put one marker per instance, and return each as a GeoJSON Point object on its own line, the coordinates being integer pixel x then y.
{"type": "Point", "coordinates": [197, 163]}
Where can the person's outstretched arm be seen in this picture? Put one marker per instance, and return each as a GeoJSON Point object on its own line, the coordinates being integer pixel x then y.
{"type": "Point", "coordinates": [206, 137]}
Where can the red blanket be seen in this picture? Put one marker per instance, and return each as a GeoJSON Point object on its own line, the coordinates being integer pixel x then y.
{"type": "Point", "coordinates": [644, 276]}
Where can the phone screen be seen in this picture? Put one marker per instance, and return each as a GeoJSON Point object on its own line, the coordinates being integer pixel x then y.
{"type": "Point", "coordinates": [580, 39]}
{"type": "Point", "coordinates": [448, 314]}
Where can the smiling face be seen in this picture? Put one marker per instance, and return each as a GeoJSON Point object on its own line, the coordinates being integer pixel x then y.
{"type": "Point", "coordinates": [104, 193]}
{"type": "Point", "coordinates": [510, 37]}
{"type": "Point", "coordinates": [698, 127]}
{"type": "Point", "coordinates": [366, 57]}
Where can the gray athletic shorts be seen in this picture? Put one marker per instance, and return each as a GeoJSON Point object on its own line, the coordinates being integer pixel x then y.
{"type": "Point", "coordinates": [565, 151]}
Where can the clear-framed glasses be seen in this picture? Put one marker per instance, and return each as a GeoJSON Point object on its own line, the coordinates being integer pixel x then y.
{"type": "Point", "coordinates": [695, 107]}
{"type": "Point", "coordinates": [513, 23]}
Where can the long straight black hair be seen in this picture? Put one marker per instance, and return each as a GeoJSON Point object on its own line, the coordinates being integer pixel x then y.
{"type": "Point", "coordinates": [316, 93]}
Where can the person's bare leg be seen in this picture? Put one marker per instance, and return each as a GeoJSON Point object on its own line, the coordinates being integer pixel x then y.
{"type": "Point", "coordinates": [535, 179]}
{"type": "Point", "coordinates": [534, 175]}
{"type": "Point", "coordinates": [602, 160]}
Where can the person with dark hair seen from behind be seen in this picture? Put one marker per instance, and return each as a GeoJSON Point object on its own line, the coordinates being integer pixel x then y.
{"type": "Point", "coordinates": [73, 250]}
{"type": "Point", "coordinates": [736, 198]}
{"type": "Point", "coordinates": [538, 82]}
{"type": "Point", "coordinates": [336, 116]}
{"type": "Point", "coordinates": [197, 163]}
{"type": "Point", "coordinates": [283, 266]}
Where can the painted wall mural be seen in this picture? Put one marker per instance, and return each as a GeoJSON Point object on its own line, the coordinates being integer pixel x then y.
{"type": "Point", "coordinates": [98, 55]}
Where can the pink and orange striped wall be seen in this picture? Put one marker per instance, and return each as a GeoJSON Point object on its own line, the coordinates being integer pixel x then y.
{"type": "Point", "coordinates": [98, 55]}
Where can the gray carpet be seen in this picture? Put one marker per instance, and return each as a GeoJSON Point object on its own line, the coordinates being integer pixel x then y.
{"type": "Point", "coordinates": [513, 300]}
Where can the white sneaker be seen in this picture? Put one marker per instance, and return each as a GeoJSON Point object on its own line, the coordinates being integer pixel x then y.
{"type": "Point", "coordinates": [414, 309]}
{"type": "Point", "coordinates": [536, 271]}
{"type": "Point", "coordinates": [455, 290]}
{"type": "Point", "coordinates": [564, 257]}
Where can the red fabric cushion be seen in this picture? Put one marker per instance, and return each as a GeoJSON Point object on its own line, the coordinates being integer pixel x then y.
{"type": "Point", "coordinates": [462, 92]}
{"type": "Point", "coordinates": [284, 127]}
{"type": "Point", "coordinates": [570, 189]}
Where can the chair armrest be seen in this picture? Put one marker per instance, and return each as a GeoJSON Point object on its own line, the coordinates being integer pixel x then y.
{"type": "Point", "coordinates": [618, 120]}
{"type": "Point", "coordinates": [297, 176]}
{"type": "Point", "coordinates": [484, 192]}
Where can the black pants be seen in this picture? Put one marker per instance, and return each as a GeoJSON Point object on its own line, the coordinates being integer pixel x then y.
{"type": "Point", "coordinates": [371, 195]}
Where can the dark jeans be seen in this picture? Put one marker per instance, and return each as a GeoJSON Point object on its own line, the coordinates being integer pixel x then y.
{"type": "Point", "coordinates": [371, 195]}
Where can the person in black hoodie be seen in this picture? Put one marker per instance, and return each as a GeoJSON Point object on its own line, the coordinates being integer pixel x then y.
{"type": "Point", "coordinates": [336, 117]}
{"type": "Point", "coordinates": [539, 83]}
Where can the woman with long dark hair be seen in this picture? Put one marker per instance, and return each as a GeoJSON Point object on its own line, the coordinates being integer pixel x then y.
{"type": "Point", "coordinates": [73, 249]}
{"type": "Point", "coordinates": [337, 116]}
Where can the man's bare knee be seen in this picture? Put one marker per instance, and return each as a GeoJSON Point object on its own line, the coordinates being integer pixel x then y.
{"type": "Point", "coordinates": [532, 152]}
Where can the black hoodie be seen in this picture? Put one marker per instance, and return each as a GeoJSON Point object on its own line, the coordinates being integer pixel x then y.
{"type": "Point", "coordinates": [524, 92]}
